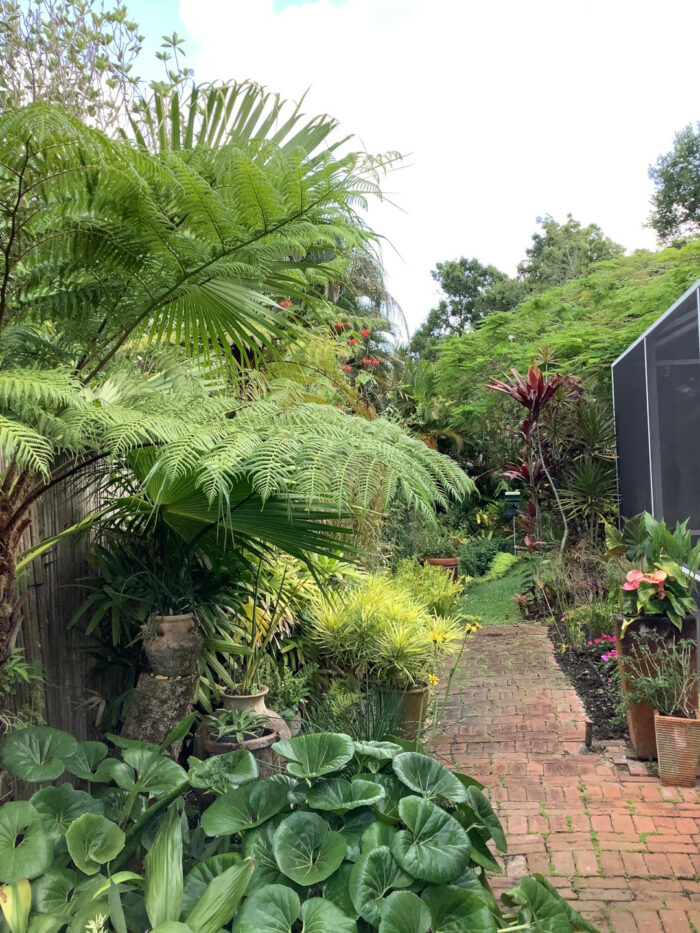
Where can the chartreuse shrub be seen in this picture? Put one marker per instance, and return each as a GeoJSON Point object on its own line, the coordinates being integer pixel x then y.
{"type": "Point", "coordinates": [355, 837]}
{"type": "Point", "coordinates": [429, 585]}
{"type": "Point", "coordinates": [378, 632]}
{"type": "Point", "coordinates": [499, 566]}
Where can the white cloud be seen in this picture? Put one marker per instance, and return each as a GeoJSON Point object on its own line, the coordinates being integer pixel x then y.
{"type": "Point", "coordinates": [509, 109]}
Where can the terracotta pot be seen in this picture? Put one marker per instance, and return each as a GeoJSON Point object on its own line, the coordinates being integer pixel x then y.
{"type": "Point", "coordinates": [678, 749]}
{"type": "Point", "coordinates": [449, 564]}
{"type": "Point", "coordinates": [269, 762]}
{"type": "Point", "coordinates": [175, 650]}
{"type": "Point", "coordinates": [412, 710]}
{"type": "Point", "coordinates": [255, 702]}
{"type": "Point", "coordinates": [640, 716]}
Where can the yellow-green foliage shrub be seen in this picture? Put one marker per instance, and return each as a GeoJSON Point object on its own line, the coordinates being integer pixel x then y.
{"type": "Point", "coordinates": [429, 585]}
{"type": "Point", "coordinates": [377, 630]}
{"type": "Point", "coordinates": [499, 566]}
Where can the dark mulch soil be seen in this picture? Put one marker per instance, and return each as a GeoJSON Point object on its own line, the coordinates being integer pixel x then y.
{"type": "Point", "coordinates": [599, 702]}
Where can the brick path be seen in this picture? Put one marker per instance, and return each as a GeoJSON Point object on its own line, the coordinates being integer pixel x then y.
{"type": "Point", "coordinates": [622, 848]}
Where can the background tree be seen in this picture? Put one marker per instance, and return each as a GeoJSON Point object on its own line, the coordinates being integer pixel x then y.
{"type": "Point", "coordinates": [560, 252]}
{"type": "Point", "coordinates": [472, 290]}
{"type": "Point", "coordinates": [676, 177]}
{"type": "Point", "coordinates": [76, 53]}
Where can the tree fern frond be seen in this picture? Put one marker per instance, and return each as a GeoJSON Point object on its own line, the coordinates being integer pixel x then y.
{"type": "Point", "coordinates": [29, 449]}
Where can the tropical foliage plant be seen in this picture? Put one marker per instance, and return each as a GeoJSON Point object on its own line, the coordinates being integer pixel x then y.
{"type": "Point", "coordinates": [378, 631]}
{"type": "Point", "coordinates": [354, 836]}
{"type": "Point", "coordinates": [666, 583]}
{"type": "Point", "coordinates": [438, 591]}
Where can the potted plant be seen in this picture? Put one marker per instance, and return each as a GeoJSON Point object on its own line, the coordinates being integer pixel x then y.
{"type": "Point", "coordinates": [661, 675]}
{"type": "Point", "coordinates": [238, 728]}
{"type": "Point", "coordinates": [379, 634]}
{"type": "Point", "coordinates": [443, 551]}
{"type": "Point", "coordinates": [230, 730]}
{"type": "Point", "coordinates": [657, 599]}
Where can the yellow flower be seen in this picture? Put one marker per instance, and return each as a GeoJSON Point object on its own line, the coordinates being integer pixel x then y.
{"type": "Point", "coordinates": [436, 636]}
{"type": "Point", "coordinates": [432, 680]}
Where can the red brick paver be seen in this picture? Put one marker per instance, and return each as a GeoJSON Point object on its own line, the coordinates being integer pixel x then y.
{"type": "Point", "coordinates": [622, 848]}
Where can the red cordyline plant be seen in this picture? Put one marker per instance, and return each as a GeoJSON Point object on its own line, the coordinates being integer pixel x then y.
{"type": "Point", "coordinates": [534, 392]}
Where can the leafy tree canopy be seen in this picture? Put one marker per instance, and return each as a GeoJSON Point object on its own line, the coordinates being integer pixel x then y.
{"type": "Point", "coordinates": [676, 177]}
{"type": "Point", "coordinates": [561, 252]}
{"type": "Point", "coordinates": [472, 290]}
{"type": "Point", "coordinates": [578, 328]}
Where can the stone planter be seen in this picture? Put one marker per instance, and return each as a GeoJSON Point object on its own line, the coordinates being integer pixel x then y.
{"type": "Point", "coordinates": [449, 564]}
{"type": "Point", "coordinates": [175, 650]}
{"type": "Point", "coordinates": [640, 716]}
{"type": "Point", "coordinates": [260, 747]}
{"type": "Point", "coordinates": [678, 749]}
{"type": "Point", "coordinates": [255, 702]}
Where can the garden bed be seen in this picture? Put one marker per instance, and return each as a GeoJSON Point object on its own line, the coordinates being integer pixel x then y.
{"type": "Point", "coordinates": [600, 704]}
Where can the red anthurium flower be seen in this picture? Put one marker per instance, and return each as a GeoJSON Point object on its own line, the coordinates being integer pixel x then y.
{"type": "Point", "coordinates": [375, 362]}
{"type": "Point", "coordinates": [285, 304]}
{"type": "Point", "coordinates": [352, 341]}
{"type": "Point", "coordinates": [365, 331]}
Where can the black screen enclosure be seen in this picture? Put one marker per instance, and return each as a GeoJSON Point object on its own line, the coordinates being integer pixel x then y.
{"type": "Point", "coordinates": [656, 396]}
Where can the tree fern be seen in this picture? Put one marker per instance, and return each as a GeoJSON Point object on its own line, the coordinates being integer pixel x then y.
{"type": "Point", "coordinates": [112, 256]}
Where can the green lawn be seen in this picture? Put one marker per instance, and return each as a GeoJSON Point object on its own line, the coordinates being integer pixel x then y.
{"type": "Point", "coordinates": [494, 601]}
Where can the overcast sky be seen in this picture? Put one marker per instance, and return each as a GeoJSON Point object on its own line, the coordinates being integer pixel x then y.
{"type": "Point", "coordinates": [506, 110]}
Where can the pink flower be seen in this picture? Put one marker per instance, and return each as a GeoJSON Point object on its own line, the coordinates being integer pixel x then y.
{"type": "Point", "coordinates": [634, 578]}
{"type": "Point", "coordinates": [613, 638]}
{"type": "Point", "coordinates": [596, 641]}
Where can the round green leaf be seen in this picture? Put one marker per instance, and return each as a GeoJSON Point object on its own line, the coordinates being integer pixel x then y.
{"type": "Point", "coordinates": [428, 777]}
{"type": "Point", "coordinates": [485, 818]}
{"type": "Point", "coordinates": [92, 841]}
{"type": "Point", "coordinates": [197, 880]}
{"type": "Point", "coordinates": [340, 795]}
{"type": "Point", "coordinates": [52, 893]}
{"type": "Point", "coordinates": [454, 910]}
{"type": "Point", "coordinates": [272, 909]}
{"type": "Point", "coordinates": [337, 890]}
{"type": "Point", "coordinates": [404, 912]}
{"type": "Point", "coordinates": [394, 792]}
{"type": "Point", "coordinates": [311, 756]}
{"type": "Point", "coordinates": [245, 807]}
{"type": "Point", "coordinates": [377, 834]}
{"type": "Point", "coordinates": [433, 847]}
{"type": "Point", "coordinates": [111, 769]}
{"type": "Point", "coordinates": [156, 774]}
{"type": "Point", "coordinates": [373, 875]}
{"type": "Point", "coordinates": [321, 916]}
{"type": "Point", "coordinates": [26, 849]}
{"type": "Point", "coordinates": [258, 847]}
{"type": "Point", "coordinates": [59, 806]}
{"type": "Point", "coordinates": [84, 761]}
{"type": "Point", "coordinates": [36, 753]}
{"type": "Point", "coordinates": [375, 755]}
{"type": "Point", "coordinates": [222, 773]}
{"type": "Point", "coordinates": [307, 850]}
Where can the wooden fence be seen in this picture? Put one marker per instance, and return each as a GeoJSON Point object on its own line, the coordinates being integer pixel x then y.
{"type": "Point", "coordinates": [49, 596]}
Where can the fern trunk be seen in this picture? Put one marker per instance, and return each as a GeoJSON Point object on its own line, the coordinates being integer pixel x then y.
{"type": "Point", "coordinates": [14, 519]}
